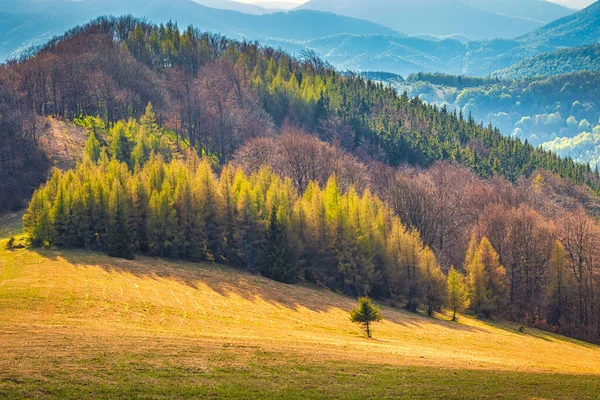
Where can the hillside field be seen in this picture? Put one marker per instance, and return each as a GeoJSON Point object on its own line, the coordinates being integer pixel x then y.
{"type": "Point", "coordinates": [78, 324]}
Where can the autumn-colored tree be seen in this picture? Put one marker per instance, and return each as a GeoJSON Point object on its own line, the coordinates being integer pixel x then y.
{"type": "Point", "coordinates": [579, 235]}
{"type": "Point", "coordinates": [562, 290]}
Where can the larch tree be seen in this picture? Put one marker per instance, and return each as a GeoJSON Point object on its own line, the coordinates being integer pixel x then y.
{"type": "Point", "coordinates": [92, 148]}
{"type": "Point", "coordinates": [486, 277]}
{"type": "Point", "coordinates": [458, 295]}
{"type": "Point", "coordinates": [120, 235]}
{"type": "Point", "coordinates": [365, 314]}
{"type": "Point", "coordinates": [432, 280]}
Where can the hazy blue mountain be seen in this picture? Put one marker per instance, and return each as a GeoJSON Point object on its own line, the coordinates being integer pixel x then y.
{"type": "Point", "coordinates": [564, 61]}
{"type": "Point", "coordinates": [405, 55]}
{"type": "Point", "coordinates": [32, 22]}
{"type": "Point", "coordinates": [477, 19]}
{"type": "Point", "coordinates": [396, 54]}
{"type": "Point", "coordinates": [348, 43]}
{"type": "Point", "coordinates": [538, 10]}
{"type": "Point", "coordinates": [581, 28]}
{"type": "Point", "coordinates": [234, 6]}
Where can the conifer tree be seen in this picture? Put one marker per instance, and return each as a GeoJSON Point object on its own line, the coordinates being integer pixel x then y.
{"type": "Point", "coordinates": [209, 211]}
{"type": "Point", "coordinates": [120, 143]}
{"type": "Point", "coordinates": [365, 314]}
{"type": "Point", "coordinates": [458, 296]}
{"type": "Point", "coordinates": [276, 260]}
{"type": "Point", "coordinates": [120, 241]}
{"type": "Point", "coordinates": [140, 204]}
{"type": "Point", "coordinates": [37, 221]}
{"type": "Point", "coordinates": [92, 148]}
{"type": "Point", "coordinates": [432, 280]}
{"type": "Point", "coordinates": [139, 153]}
{"type": "Point", "coordinates": [60, 216]}
{"type": "Point", "coordinates": [248, 233]}
{"type": "Point", "coordinates": [486, 277]}
{"type": "Point", "coordinates": [162, 222]}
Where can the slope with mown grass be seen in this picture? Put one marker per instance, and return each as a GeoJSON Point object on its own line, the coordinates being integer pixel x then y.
{"type": "Point", "coordinates": [79, 324]}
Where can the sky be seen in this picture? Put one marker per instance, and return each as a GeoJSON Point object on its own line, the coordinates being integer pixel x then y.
{"type": "Point", "coordinates": [575, 3]}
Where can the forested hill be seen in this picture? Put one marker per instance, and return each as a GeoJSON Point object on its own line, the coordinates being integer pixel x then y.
{"type": "Point", "coordinates": [564, 61]}
{"type": "Point", "coordinates": [312, 191]}
{"type": "Point", "coordinates": [114, 67]}
{"type": "Point", "coordinates": [581, 28]}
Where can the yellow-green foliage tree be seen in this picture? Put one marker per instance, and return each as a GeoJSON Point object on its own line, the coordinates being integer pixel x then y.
{"type": "Point", "coordinates": [458, 295]}
{"type": "Point", "coordinates": [562, 287]}
{"type": "Point", "coordinates": [486, 278]}
{"type": "Point", "coordinates": [181, 209]}
{"type": "Point", "coordinates": [433, 281]}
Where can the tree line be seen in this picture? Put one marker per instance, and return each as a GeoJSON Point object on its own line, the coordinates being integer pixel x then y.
{"type": "Point", "coordinates": [345, 240]}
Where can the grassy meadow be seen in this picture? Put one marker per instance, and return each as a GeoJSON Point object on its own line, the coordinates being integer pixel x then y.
{"type": "Point", "coordinates": [78, 324]}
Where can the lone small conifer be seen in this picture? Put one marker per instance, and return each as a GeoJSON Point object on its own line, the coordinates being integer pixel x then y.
{"type": "Point", "coordinates": [365, 314]}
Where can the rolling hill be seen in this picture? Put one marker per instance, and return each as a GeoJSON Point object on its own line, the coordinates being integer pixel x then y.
{"type": "Point", "coordinates": [477, 19]}
{"type": "Point", "coordinates": [348, 43]}
{"type": "Point", "coordinates": [396, 54]}
{"type": "Point", "coordinates": [581, 28]}
{"type": "Point", "coordinates": [584, 58]}
{"type": "Point", "coordinates": [34, 23]}
{"type": "Point", "coordinates": [158, 329]}
{"type": "Point", "coordinates": [453, 54]}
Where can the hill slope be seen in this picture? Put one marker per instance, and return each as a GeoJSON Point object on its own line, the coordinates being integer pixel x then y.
{"type": "Point", "coordinates": [584, 58]}
{"type": "Point", "coordinates": [476, 19]}
{"type": "Point", "coordinates": [34, 23]}
{"type": "Point", "coordinates": [160, 329]}
{"type": "Point", "coordinates": [581, 28]}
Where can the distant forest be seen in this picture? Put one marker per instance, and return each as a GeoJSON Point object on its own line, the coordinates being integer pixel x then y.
{"type": "Point", "coordinates": [561, 112]}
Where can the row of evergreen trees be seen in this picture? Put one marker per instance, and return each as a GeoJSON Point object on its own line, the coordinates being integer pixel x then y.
{"type": "Point", "coordinates": [258, 222]}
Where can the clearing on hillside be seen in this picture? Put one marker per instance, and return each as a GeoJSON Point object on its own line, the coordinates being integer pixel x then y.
{"type": "Point", "coordinates": [77, 324]}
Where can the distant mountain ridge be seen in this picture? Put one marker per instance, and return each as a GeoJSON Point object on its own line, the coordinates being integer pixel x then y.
{"type": "Point", "coordinates": [564, 61]}
{"type": "Point", "coordinates": [33, 23]}
{"type": "Point", "coordinates": [405, 55]}
{"type": "Point", "coordinates": [348, 43]}
{"type": "Point", "coordinates": [581, 28]}
{"type": "Point", "coordinates": [477, 19]}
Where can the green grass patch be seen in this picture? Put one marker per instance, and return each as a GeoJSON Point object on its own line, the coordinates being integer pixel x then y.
{"type": "Point", "coordinates": [150, 378]}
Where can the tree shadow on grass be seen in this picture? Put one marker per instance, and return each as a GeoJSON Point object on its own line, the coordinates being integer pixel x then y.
{"type": "Point", "coordinates": [243, 284]}
{"type": "Point", "coordinates": [550, 337]}
{"type": "Point", "coordinates": [194, 275]}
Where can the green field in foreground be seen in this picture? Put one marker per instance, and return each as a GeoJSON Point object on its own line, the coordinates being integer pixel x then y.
{"type": "Point", "coordinates": [78, 324]}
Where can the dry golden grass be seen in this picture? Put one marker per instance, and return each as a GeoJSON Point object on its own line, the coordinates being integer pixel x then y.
{"type": "Point", "coordinates": [73, 318]}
